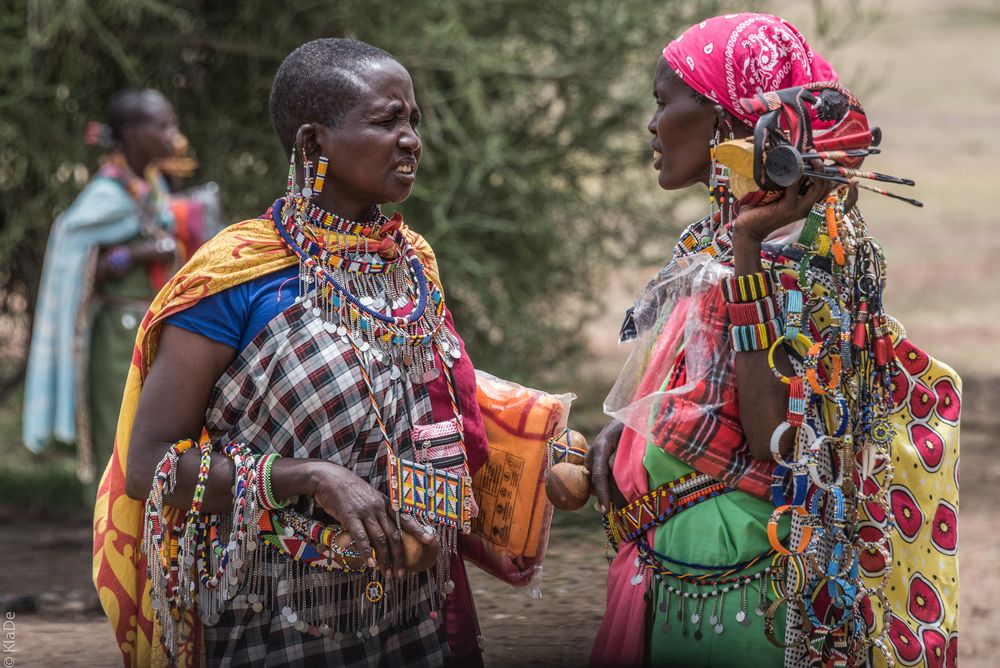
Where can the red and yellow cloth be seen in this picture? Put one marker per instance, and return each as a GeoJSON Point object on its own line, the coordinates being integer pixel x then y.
{"type": "Point", "coordinates": [238, 254]}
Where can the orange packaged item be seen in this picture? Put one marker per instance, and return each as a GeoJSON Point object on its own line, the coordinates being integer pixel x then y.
{"type": "Point", "coordinates": [511, 533]}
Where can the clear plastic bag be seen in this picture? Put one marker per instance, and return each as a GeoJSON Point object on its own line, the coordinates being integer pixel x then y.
{"type": "Point", "coordinates": [510, 536]}
{"type": "Point", "coordinates": [676, 315]}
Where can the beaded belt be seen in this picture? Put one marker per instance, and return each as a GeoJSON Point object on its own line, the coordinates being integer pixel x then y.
{"type": "Point", "coordinates": [657, 506]}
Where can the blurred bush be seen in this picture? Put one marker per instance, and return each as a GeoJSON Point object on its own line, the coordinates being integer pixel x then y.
{"type": "Point", "coordinates": [534, 133]}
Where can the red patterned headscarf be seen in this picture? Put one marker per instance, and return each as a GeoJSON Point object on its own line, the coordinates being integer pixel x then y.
{"type": "Point", "coordinates": [729, 57]}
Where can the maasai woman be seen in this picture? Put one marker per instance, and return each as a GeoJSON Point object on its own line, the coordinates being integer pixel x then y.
{"type": "Point", "coordinates": [107, 256]}
{"type": "Point", "coordinates": [311, 353]}
{"type": "Point", "coordinates": [709, 569]}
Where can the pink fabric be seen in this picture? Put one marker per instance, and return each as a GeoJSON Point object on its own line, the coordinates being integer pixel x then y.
{"type": "Point", "coordinates": [476, 446]}
{"type": "Point", "coordinates": [460, 622]}
{"type": "Point", "coordinates": [730, 57]}
{"type": "Point", "coordinates": [621, 637]}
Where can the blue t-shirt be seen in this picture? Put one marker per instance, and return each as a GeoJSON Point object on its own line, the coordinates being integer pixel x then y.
{"type": "Point", "coordinates": [238, 314]}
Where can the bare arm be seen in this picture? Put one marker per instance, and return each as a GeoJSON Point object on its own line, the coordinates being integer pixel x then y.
{"type": "Point", "coordinates": [172, 407]}
{"type": "Point", "coordinates": [763, 399]}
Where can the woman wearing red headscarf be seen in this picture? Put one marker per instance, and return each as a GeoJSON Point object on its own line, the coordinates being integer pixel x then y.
{"type": "Point", "coordinates": [708, 572]}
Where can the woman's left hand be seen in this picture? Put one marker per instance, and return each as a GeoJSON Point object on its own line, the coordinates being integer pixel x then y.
{"type": "Point", "coordinates": [759, 222]}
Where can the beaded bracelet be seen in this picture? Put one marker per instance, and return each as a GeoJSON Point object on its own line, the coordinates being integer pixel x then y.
{"type": "Point", "coordinates": [772, 530]}
{"type": "Point", "coordinates": [769, 621]}
{"type": "Point", "coordinates": [800, 485]}
{"type": "Point", "coordinates": [813, 465]}
{"type": "Point", "coordinates": [796, 413]}
{"type": "Point", "coordinates": [756, 337]}
{"type": "Point", "coordinates": [265, 490]}
{"type": "Point", "coordinates": [779, 431]}
{"type": "Point", "coordinates": [795, 564]}
{"type": "Point", "coordinates": [793, 314]}
{"type": "Point", "coordinates": [191, 521]}
{"type": "Point", "coordinates": [811, 362]}
{"type": "Point", "coordinates": [800, 338]}
{"type": "Point", "coordinates": [751, 313]}
{"type": "Point", "coordinates": [747, 288]}
{"type": "Point", "coordinates": [832, 230]}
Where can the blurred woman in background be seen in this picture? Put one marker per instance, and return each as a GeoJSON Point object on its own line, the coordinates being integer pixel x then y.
{"type": "Point", "coordinates": [108, 254]}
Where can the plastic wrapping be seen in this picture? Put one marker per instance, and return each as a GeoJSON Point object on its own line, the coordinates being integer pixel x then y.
{"type": "Point", "coordinates": [675, 315]}
{"type": "Point", "coordinates": [511, 533]}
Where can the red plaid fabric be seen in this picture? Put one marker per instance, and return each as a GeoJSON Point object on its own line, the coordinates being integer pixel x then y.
{"type": "Point", "coordinates": [296, 390]}
{"type": "Point", "coordinates": [701, 426]}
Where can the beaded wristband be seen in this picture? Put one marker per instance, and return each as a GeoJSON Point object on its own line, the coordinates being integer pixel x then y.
{"type": "Point", "coordinates": [801, 338]}
{"type": "Point", "coordinates": [796, 413]}
{"type": "Point", "coordinates": [753, 338]}
{"type": "Point", "coordinates": [793, 314]}
{"type": "Point", "coordinates": [800, 485]}
{"type": "Point", "coordinates": [769, 621]}
{"type": "Point", "coordinates": [752, 313]}
{"type": "Point", "coordinates": [811, 362]}
{"type": "Point", "coordinates": [832, 231]}
{"type": "Point", "coordinates": [776, 445]}
{"type": "Point", "coordinates": [772, 530]}
{"type": "Point", "coordinates": [747, 288]}
{"type": "Point", "coordinates": [265, 491]}
{"type": "Point", "coordinates": [813, 467]}
{"type": "Point", "coordinates": [187, 542]}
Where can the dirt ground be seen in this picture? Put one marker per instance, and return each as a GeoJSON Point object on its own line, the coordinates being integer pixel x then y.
{"type": "Point", "coordinates": [938, 109]}
{"type": "Point", "coordinates": [556, 630]}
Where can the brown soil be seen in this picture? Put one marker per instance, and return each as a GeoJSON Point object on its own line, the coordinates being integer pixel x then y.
{"type": "Point", "coordinates": [52, 563]}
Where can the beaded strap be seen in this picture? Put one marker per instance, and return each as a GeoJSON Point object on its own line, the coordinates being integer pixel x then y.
{"type": "Point", "coordinates": [657, 506]}
{"type": "Point", "coordinates": [757, 337]}
{"type": "Point", "coordinates": [747, 288]}
{"type": "Point", "coordinates": [751, 313]}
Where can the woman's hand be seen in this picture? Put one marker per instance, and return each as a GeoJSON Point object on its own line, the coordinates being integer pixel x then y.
{"type": "Point", "coordinates": [757, 223]}
{"type": "Point", "coordinates": [366, 514]}
{"type": "Point", "coordinates": [598, 462]}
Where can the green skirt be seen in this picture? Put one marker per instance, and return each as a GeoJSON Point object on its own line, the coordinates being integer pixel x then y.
{"type": "Point", "coordinates": [727, 529]}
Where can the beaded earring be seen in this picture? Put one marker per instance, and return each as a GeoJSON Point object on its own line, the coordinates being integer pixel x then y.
{"type": "Point", "coordinates": [292, 189]}
{"type": "Point", "coordinates": [321, 168]}
{"type": "Point", "coordinates": [720, 197]}
{"type": "Point", "coordinates": [308, 179]}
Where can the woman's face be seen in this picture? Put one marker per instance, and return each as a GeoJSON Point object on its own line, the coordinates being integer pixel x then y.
{"type": "Point", "coordinates": [682, 127]}
{"type": "Point", "coordinates": [375, 149]}
{"type": "Point", "coordinates": [154, 137]}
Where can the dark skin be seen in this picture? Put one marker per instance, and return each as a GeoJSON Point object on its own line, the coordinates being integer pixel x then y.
{"type": "Point", "coordinates": [143, 144]}
{"type": "Point", "coordinates": [366, 150]}
{"type": "Point", "coordinates": [681, 127]}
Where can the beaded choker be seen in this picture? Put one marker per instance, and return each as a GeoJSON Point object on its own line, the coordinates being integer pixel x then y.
{"type": "Point", "coordinates": [359, 293]}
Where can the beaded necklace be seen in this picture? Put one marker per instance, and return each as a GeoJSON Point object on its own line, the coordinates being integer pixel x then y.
{"type": "Point", "coordinates": [356, 294]}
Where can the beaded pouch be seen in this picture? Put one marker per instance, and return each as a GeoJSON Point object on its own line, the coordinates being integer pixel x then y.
{"type": "Point", "coordinates": [435, 485]}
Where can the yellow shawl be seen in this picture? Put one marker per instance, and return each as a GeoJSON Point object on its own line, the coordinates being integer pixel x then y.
{"type": "Point", "coordinates": [239, 253]}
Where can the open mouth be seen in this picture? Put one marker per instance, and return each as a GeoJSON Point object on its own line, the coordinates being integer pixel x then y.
{"type": "Point", "coordinates": [657, 159]}
{"type": "Point", "coordinates": [407, 169]}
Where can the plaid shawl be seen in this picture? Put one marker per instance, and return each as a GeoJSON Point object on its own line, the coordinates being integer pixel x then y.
{"type": "Point", "coordinates": [295, 390]}
{"type": "Point", "coordinates": [238, 254]}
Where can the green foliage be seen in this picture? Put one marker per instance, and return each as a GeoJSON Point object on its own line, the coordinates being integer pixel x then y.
{"type": "Point", "coordinates": [534, 133]}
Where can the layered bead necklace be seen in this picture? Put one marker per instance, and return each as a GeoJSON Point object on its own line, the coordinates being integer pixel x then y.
{"type": "Point", "coordinates": [358, 277]}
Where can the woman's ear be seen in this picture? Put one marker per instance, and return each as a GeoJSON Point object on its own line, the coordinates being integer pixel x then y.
{"type": "Point", "coordinates": [305, 141]}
